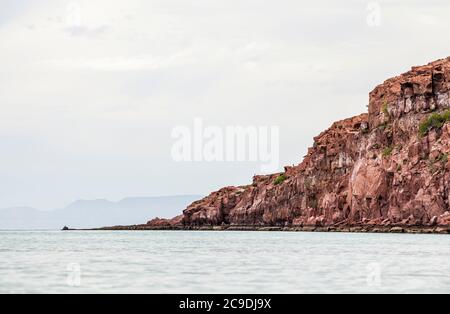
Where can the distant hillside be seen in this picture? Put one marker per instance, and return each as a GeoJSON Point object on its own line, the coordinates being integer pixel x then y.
{"type": "Point", "coordinates": [95, 213]}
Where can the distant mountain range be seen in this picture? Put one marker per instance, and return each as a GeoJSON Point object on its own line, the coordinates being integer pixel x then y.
{"type": "Point", "coordinates": [95, 213]}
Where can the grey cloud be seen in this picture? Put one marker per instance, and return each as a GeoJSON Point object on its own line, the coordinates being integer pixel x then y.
{"type": "Point", "coordinates": [84, 31]}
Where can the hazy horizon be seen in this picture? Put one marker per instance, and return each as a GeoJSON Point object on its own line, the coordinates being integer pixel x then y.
{"type": "Point", "coordinates": [91, 90]}
{"type": "Point", "coordinates": [83, 214]}
{"type": "Point", "coordinates": [70, 203]}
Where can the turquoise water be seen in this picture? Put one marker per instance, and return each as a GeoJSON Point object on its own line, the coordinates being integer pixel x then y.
{"type": "Point", "coordinates": [222, 262]}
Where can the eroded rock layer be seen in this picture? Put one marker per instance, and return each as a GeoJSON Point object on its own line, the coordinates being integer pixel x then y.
{"type": "Point", "coordinates": [387, 167]}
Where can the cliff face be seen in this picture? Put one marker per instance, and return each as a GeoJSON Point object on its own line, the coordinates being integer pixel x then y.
{"type": "Point", "coordinates": [387, 167]}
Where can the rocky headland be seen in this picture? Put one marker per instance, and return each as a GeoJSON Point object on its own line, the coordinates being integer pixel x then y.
{"type": "Point", "coordinates": [383, 171]}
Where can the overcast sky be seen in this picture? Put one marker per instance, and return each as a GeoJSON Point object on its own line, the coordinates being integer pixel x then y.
{"type": "Point", "coordinates": [88, 101]}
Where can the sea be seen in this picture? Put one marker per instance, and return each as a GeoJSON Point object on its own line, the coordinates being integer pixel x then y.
{"type": "Point", "coordinates": [79, 262]}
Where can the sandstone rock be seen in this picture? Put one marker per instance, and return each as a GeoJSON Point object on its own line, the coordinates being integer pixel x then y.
{"type": "Point", "coordinates": [386, 222]}
{"type": "Point", "coordinates": [397, 230]}
{"type": "Point", "coordinates": [372, 169]}
{"type": "Point", "coordinates": [158, 222]}
{"type": "Point", "coordinates": [442, 230]}
{"type": "Point", "coordinates": [434, 221]}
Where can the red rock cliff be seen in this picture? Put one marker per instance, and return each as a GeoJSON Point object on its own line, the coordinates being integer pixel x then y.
{"type": "Point", "coordinates": [371, 169]}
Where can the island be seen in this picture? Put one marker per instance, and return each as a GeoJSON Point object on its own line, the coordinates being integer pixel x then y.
{"type": "Point", "coordinates": [386, 170]}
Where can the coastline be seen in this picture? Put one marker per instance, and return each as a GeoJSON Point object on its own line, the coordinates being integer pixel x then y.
{"type": "Point", "coordinates": [338, 229]}
{"type": "Point", "coordinates": [383, 171]}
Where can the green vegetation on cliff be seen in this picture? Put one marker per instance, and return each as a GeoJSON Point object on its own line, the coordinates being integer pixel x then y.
{"type": "Point", "coordinates": [280, 179]}
{"type": "Point", "coordinates": [434, 121]}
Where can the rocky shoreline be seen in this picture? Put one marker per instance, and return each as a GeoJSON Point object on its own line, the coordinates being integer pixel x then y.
{"type": "Point", "coordinates": [338, 229]}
